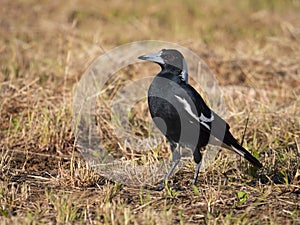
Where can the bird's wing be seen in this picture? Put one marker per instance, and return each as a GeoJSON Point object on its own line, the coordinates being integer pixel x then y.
{"type": "Point", "coordinates": [192, 104]}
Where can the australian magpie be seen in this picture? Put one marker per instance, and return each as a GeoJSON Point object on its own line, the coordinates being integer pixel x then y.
{"type": "Point", "coordinates": [182, 115]}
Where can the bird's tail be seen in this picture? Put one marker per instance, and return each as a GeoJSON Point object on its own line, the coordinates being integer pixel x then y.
{"type": "Point", "coordinates": [231, 143]}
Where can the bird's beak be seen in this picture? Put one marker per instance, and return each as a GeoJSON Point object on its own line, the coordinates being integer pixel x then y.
{"type": "Point", "coordinates": [153, 58]}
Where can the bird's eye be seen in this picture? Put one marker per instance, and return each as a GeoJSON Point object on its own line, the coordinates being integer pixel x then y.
{"type": "Point", "coordinates": [169, 57]}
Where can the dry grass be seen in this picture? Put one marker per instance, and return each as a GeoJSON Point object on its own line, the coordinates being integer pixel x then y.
{"type": "Point", "coordinates": [253, 47]}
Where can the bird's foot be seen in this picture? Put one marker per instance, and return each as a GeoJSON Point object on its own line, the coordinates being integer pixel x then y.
{"type": "Point", "coordinates": [174, 187]}
{"type": "Point", "coordinates": [194, 181]}
{"type": "Point", "coordinates": [164, 185]}
{"type": "Point", "coordinates": [160, 187]}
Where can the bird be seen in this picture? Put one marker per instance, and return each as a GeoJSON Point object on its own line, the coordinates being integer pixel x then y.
{"type": "Point", "coordinates": [182, 115]}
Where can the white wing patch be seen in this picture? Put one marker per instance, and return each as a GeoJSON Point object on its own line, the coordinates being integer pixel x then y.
{"type": "Point", "coordinates": [187, 107]}
{"type": "Point", "coordinates": [238, 151]}
{"type": "Point", "coordinates": [202, 119]}
{"type": "Point", "coordinates": [205, 119]}
{"type": "Point", "coordinates": [204, 124]}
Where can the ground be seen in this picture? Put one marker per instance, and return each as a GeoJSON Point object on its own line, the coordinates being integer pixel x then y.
{"type": "Point", "coordinates": [253, 49]}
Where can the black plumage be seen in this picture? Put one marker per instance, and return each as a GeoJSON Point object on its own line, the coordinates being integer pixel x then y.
{"type": "Point", "coordinates": [182, 115]}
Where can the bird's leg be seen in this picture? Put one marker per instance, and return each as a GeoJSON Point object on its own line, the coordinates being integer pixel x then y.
{"type": "Point", "coordinates": [197, 159]}
{"type": "Point", "coordinates": [196, 173]}
{"type": "Point", "coordinates": [175, 160]}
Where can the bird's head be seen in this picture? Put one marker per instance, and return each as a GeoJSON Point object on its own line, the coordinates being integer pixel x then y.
{"type": "Point", "coordinates": [169, 58]}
